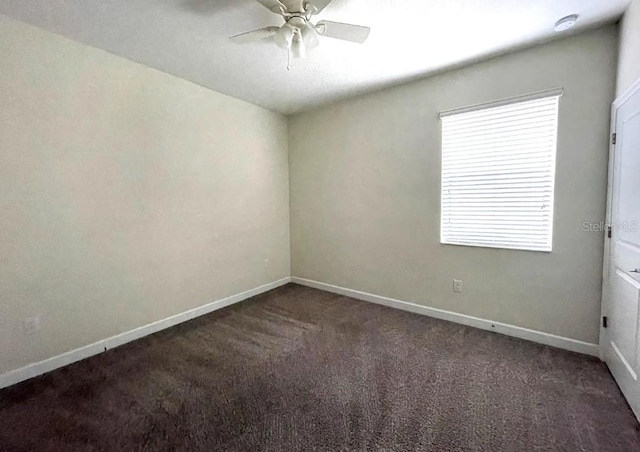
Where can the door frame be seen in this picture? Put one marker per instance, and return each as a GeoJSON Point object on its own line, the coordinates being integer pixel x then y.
{"type": "Point", "coordinates": [620, 100]}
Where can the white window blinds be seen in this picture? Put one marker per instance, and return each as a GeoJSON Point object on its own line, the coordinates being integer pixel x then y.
{"type": "Point", "coordinates": [498, 172]}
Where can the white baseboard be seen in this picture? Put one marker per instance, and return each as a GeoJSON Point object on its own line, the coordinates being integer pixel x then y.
{"type": "Point", "coordinates": [32, 370]}
{"type": "Point", "coordinates": [502, 328]}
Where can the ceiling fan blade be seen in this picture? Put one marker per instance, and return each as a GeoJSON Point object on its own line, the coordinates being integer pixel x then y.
{"type": "Point", "coordinates": [271, 5]}
{"type": "Point", "coordinates": [319, 4]}
{"type": "Point", "coordinates": [346, 32]}
{"type": "Point", "coordinates": [256, 35]}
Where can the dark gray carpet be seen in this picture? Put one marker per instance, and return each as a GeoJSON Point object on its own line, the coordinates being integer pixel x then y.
{"type": "Point", "coordinates": [300, 369]}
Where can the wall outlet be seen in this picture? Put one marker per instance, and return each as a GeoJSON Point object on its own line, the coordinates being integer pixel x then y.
{"type": "Point", "coordinates": [266, 264]}
{"type": "Point", "coordinates": [457, 286]}
{"type": "Point", "coordinates": [31, 325]}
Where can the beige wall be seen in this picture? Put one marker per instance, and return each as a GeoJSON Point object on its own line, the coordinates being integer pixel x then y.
{"type": "Point", "coordinates": [365, 192]}
{"type": "Point", "coordinates": [629, 61]}
{"type": "Point", "coordinates": [126, 195]}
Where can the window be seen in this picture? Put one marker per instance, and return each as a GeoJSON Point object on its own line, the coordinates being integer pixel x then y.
{"type": "Point", "coordinates": [498, 173]}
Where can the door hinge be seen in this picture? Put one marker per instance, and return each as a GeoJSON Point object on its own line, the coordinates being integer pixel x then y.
{"type": "Point", "coordinates": [614, 138]}
{"type": "Point", "coordinates": [604, 321]}
{"type": "Point", "coordinates": [608, 231]}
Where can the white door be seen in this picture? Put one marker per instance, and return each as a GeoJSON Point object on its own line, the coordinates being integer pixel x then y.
{"type": "Point", "coordinates": [621, 338]}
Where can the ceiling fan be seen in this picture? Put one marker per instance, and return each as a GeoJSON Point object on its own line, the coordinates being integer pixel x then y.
{"type": "Point", "coordinates": [298, 34]}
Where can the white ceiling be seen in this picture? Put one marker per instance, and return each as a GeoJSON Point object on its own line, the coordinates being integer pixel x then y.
{"type": "Point", "coordinates": [409, 39]}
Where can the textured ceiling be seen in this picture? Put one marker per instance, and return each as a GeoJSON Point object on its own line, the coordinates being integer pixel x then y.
{"type": "Point", "coordinates": [409, 38]}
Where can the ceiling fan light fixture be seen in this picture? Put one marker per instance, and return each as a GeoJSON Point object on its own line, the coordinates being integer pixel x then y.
{"type": "Point", "coordinates": [284, 37]}
{"type": "Point", "coordinates": [310, 36]}
{"type": "Point", "coordinates": [298, 49]}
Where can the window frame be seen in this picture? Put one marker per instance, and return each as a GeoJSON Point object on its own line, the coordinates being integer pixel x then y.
{"type": "Point", "coordinates": [445, 240]}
